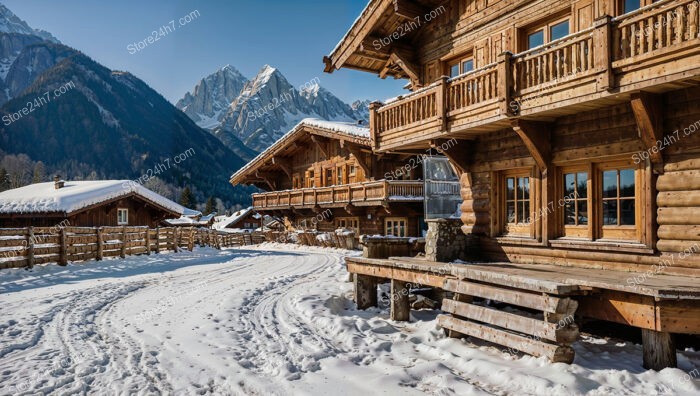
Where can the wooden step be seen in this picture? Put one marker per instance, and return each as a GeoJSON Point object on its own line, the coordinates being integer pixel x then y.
{"type": "Point", "coordinates": [521, 298]}
{"type": "Point", "coordinates": [536, 328]}
{"type": "Point", "coordinates": [505, 276]}
{"type": "Point", "coordinates": [529, 345]}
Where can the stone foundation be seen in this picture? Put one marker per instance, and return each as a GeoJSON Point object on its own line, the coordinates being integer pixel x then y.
{"type": "Point", "coordinates": [445, 241]}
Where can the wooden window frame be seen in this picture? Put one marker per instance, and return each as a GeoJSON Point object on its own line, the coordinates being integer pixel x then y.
{"type": "Point", "coordinates": [119, 220]}
{"type": "Point", "coordinates": [342, 222]}
{"type": "Point", "coordinates": [460, 61]}
{"type": "Point", "coordinates": [519, 230]}
{"type": "Point", "coordinates": [399, 220]}
{"type": "Point", "coordinates": [340, 174]}
{"type": "Point", "coordinates": [596, 231]}
{"type": "Point", "coordinates": [546, 26]}
{"type": "Point", "coordinates": [620, 6]}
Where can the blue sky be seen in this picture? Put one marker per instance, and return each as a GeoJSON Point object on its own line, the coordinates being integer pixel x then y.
{"type": "Point", "coordinates": [291, 35]}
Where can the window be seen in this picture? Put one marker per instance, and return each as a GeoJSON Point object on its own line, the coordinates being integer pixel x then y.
{"type": "Point", "coordinates": [329, 177]}
{"type": "Point", "coordinates": [122, 216]}
{"type": "Point", "coordinates": [461, 66]}
{"type": "Point", "coordinates": [350, 223]}
{"type": "Point", "coordinates": [339, 175]}
{"type": "Point", "coordinates": [395, 226]}
{"type": "Point", "coordinates": [600, 201]}
{"type": "Point", "coordinates": [517, 204]}
{"type": "Point", "coordinates": [547, 32]}
{"type": "Point", "coordinates": [310, 179]}
{"type": "Point", "coordinates": [630, 5]}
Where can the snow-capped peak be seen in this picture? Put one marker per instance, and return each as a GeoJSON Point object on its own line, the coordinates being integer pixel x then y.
{"type": "Point", "coordinates": [11, 23]}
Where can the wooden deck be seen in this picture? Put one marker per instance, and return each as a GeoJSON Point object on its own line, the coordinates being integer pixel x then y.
{"type": "Point", "coordinates": [659, 304]}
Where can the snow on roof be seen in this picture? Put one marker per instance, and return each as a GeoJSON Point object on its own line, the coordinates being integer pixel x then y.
{"type": "Point", "coordinates": [220, 225]}
{"type": "Point", "coordinates": [341, 128]}
{"type": "Point", "coordinates": [76, 195]}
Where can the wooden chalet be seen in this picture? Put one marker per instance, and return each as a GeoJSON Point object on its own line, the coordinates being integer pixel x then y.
{"type": "Point", "coordinates": [322, 175]}
{"type": "Point", "coordinates": [245, 219]}
{"type": "Point", "coordinates": [85, 204]}
{"type": "Point", "coordinates": [578, 129]}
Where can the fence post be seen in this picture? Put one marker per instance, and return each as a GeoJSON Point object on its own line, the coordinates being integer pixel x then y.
{"type": "Point", "coordinates": [30, 247]}
{"type": "Point", "coordinates": [100, 244]}
{"type": "Point", "coordinates": [190, 245]}
{"type": "Point", "coordinates": [148, 241]}
{"type": "Point", "coordinates": [175, 241]}
{"type": "Point", "coordinates": [157, 240]}
{"type": "Point", "coordinates": [122, 254]}
{"type": "Point", "coordinates": [62, 253]}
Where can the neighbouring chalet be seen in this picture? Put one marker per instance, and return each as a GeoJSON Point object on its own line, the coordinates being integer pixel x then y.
{"type": "Point", "coordinates": [247, 220]}
{"type": "Point", "coordinates": [323, 175]}
{"type": "Point", "coordinates": [578, 145]}
{"type": "Point", "coordinates": [85, 204]}
{"type": "Point", "coordinates": [196, 220]}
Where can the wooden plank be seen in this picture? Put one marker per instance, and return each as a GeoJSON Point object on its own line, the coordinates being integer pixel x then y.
{"type": "Point", "coordinates": [365, 289]}
{"type": "Point", "coordinates": [512, 279]}
{"type": "Point", "coordinates": [510, 321]}
{"type": "Point", "coordinates": [521, 298]}
{"type": "Point", "coordinates": [555, 353]}
{"type": "Point", "coordinates": [400, 306]}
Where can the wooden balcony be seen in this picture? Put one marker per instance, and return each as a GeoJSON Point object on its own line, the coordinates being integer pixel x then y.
{"type": "Point", "coordinates": [357, 194]}
{"type": "Point", "coordinates": [652, 48]}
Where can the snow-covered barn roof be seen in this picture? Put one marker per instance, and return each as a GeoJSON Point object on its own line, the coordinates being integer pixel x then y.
{"type": "Point", "coordinates": [75, 196]}
{"type": "Point", "coordinates": [234, 218]}
{"type": "Point", "coordinates": [345, 131]}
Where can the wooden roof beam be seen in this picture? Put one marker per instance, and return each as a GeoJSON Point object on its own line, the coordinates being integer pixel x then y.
{"type": "Point", "coordinates": [321, 144]}
{"type": "Point", "coordinates": [283, 164]}
{"type": "Point", "coordinates": [408, 67]}
{"type": "Point", "coordinates": [409, 9]}
{"type": "Point", "coordinates": [536, 137]}
{"type": "Point", "coordinates": [267, 178]}
{"type": "Point", "coordinates": [459, 155]}
{"type": "Point", "coordinates": [647, 109]}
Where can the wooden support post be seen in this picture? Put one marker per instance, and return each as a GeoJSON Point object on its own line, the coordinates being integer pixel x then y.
{"type": "Point", "coordinates": [400, 306]}
{"type": "Point", "coordinates": [176, 242]}
{"type": "Point", "coordinates": [157, 240]}
{"type": "Point", "coordinates": [648, 112]}
{"type": "Point", "coordinates": [100, 244]}
{"type": "Point", "coordinates": [505, 86]}
{"type": "Point", "coordinates": [603, 49]}
{"type": "Point", "coordinates": [148, 241]}
{"type": "Point", "coordinates": [122, 253]}
{"type": "Point", "coordinates": [190, 245]}
{"type": "Point", "coordinates": [659, 350]}
{"type": "Point", "coordinates": [62, 252]}
{"type": "Point", "coordinates": [30, 247]}
{"type": "Point", "coordinates": [365, 291]}
{"type": "Point", "coordinates": [374, 125]}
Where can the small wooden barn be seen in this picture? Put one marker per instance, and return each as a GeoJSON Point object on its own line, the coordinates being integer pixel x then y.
{"type": "Point", "coordinates": [85, 204]}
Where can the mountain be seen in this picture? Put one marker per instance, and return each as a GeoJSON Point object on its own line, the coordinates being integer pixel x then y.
{"type": "Point", "coordinates": [84, 121]}
{"type": "Point", "coordinates": [266, 107]}
{"type": "Point", "coordinates": [210, 99]}
{"type": "Point", "coordinates": [10, 23]}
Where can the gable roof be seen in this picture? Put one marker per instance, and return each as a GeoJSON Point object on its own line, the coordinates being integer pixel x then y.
{"type": "Point", "coordinates": [76, 196]}
{"type": "Point", "coordinates": [349, 132]}
{"type": "Point", "coordinates": [234, 218]}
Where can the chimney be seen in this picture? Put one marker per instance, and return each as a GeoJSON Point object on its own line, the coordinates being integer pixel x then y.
{"type": "Point", "coordinates": [57, 182]}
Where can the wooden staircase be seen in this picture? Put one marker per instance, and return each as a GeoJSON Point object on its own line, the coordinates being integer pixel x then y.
{"type": "Point", "coordinates": [551, 336]}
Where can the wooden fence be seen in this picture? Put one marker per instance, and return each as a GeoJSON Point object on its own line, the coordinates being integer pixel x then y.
{"type": "Point", "coordinates": [25, 247]}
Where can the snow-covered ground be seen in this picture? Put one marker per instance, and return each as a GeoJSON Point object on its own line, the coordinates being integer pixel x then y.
{"type": "Point", "coordinates": [267, 321]}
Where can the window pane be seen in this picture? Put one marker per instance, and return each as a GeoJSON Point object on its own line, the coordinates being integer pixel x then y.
{"type": "Point", "coordinates": [627, 212]}
{"type": "Point", "coordinates": [524, 215]}
{"type": "Point", "coordinates": [569, 183]}
{"type": "Point", "coordinates": [610, 212]}
{"type": "Point", "coordinates": [582, 213]}
{"type": "Point", "coordinates": [510, 212]}
{"type": "Point", "coordinates": [569, 213]}
{"type": "Point", "coordinates": [535, 39]}
{"type": "Point", "coordinates": [631, 5]}
{"type": "Point", "coordinates": [610, 184]}
{"type": "Point", "coordinates": [582, 180]}
{"type": "Point", "coordinates": [510, 191]}
{"type": "Point", "coordinates": [524, 188]}
{"type": "Point", "coordinates": [454, 70]}
{"type": "Point", "coordinates": [627, 183]}
{"type": "Point", "coordinates": [467, 66]}
{"type": "Point", "coordinates": [559, 30]}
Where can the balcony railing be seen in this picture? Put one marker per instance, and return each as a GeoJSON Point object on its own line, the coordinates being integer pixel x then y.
{"type": "Point", "coordinates": [613, 54]}
{"type": "Point", "coordinates": [360, 194]}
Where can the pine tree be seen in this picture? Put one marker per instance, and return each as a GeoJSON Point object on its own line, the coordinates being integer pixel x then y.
{"type": "Point", "coordinates": [209, 207]}
{"type": "Point", "coordinates": [186, 198]}
{"type": "Point", "coordinates": [39, 172]}
{"type": "Point", "coordinates": [4, 180]}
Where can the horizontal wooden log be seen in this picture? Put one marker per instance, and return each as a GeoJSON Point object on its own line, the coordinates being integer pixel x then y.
{"type": "Point", "coordinates": [19, 242]}
{"type": "Point", "coordinates": [46, 250]}
{"type": "Point", "coordinates": [680, 232]}
{"type": "Point", "coordinates": [50, 258]}
{"type": "Point", "coordinates": [81, 249]}
{"type": "Point", "coordinates": [82, 256]}
{"type": "Point", "coordinates": [21, 263]}
{"type": "Point", "coordinates": [679, 181]}
{"type": "Point", "coordinates": [678, 199]}
{"type": "Point", "coordinates": [674, 246]}
{"type": "Point", "coordinates": [678, 216]}
{"type": "Point", "coordinates": [537, 328]}
{"type": "Point", "coordinates": [555, 353]}
{"type": "Point", "coordinates": [521, 298]}
{"type": "Point", "coordinates": [14, 232]}
{"type": "Point", "coordinates": [71, 240]}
